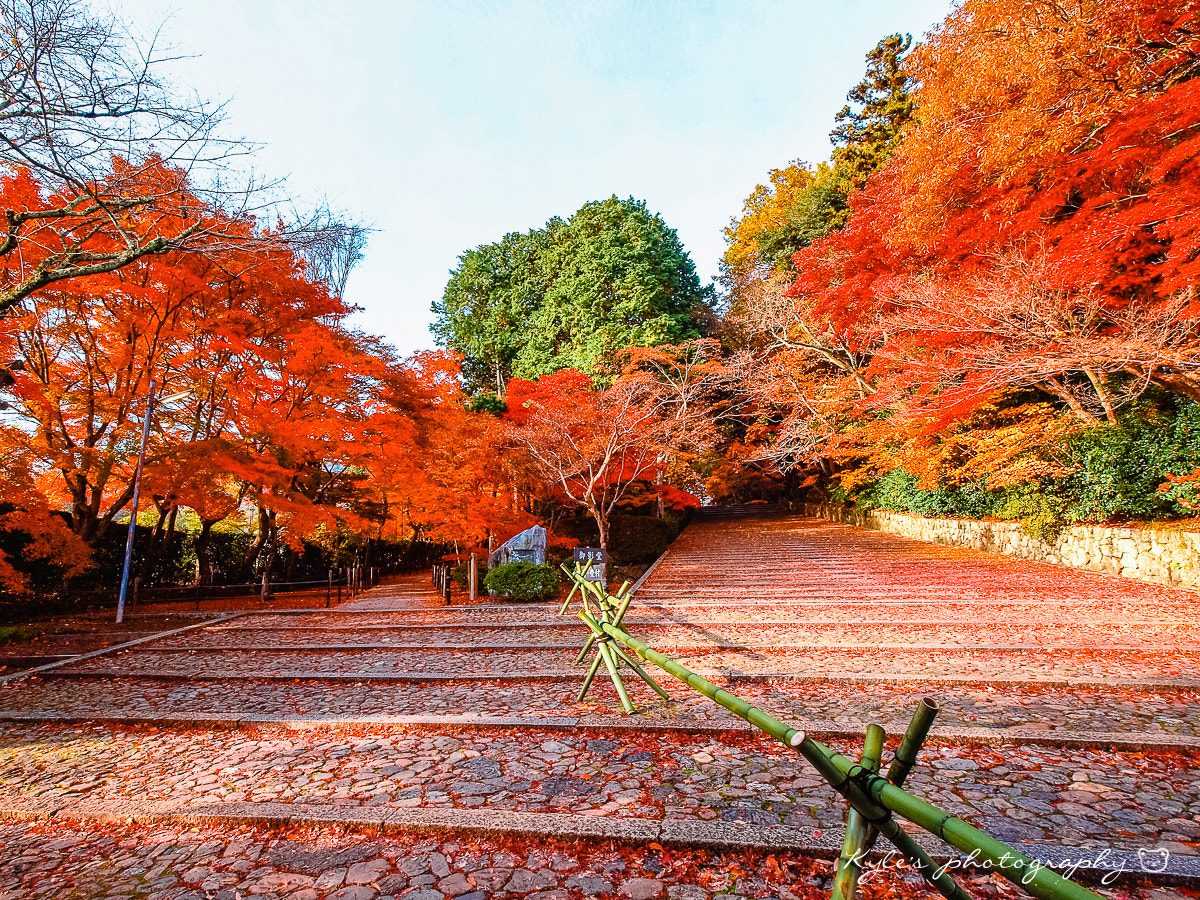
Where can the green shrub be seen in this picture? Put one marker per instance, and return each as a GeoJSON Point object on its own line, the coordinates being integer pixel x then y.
{"type": "Point", "coordinates": [18, 634]}
{"type": "Point", "coordinates": [522, 581]}
{"type": "Point", "coordinates": [1043, 515]}
{"type": "Point", "coordinates": [1114, 474]}
{"type": "Point", "coordinates": [1118, 468]}
{"type": "Point", "coordinates": [897, 491]}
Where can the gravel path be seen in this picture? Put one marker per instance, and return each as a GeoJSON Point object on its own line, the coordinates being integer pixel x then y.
{"type": "Point", "coordinates": [667, 637]}
{"type": "Point", "coordinates": [820, 661]}
{"type": "Point", "coordinates": [165, 862]}
{"type": "Point", "coordinates": [788, 612]}
{"type": "Point", "coordinates": [1018, 794]}
{"type": "Point", "coordinates": [1098, 710]}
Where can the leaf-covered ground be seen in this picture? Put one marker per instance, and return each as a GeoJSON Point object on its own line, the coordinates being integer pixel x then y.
{"type": "Point", "coordinates": [790, 614]}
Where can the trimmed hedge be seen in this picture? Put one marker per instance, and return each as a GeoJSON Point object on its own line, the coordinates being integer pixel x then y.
{"type": "Point", "coordinates": [522, 581]}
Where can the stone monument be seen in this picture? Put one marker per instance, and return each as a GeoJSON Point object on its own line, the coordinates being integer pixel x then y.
{"type": "Point", "coordinates": [528, 546]}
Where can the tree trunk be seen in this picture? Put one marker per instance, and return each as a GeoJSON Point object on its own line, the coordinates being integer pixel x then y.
{"type": "Point", "coordinates": [255, 548]}
{"type": "Point", "coordinates": [268, 557]}
{"type": "Point", "coordinates": [660, 508]}
{"type": "Point", "coordinates": [1102, 393]}
{"type": "Point", "coordinates": [601, 526]}
{"type": "Point", "coordinates": [204, 569]}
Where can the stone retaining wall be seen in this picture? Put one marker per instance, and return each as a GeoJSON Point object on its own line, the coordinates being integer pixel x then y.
{"type": "Point", "coordinates": [1162, 555]}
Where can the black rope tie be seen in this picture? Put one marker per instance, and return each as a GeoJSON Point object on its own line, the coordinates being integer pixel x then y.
{"type": "Point", "coordinates": [851, 777]}
{"type": "Point", "coordinates": [861, 778]}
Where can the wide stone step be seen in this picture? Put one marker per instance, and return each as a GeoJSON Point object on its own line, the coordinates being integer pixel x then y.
{"type": "Point", "coordinates": [1175, 666]}
{"type": "Point", "coordinates": [1000, 707]}
{"type": "Point", "coordinates": [1019, 793]}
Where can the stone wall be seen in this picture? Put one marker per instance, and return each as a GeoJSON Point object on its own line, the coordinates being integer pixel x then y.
{"type": "Point", "coordinates": [1162, 555]}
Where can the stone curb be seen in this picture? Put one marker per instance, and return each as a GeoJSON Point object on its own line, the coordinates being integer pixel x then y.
{"type": "Point", "coordinates": [830, 600]}
{"type": "Point", "coordinates": [19, 676]}
{"type": "Point", "coordinates": [693, 648]}
{"type": "Point", "coordinates": [1134, 741]}
{"type": "Point", "coordinates": [733, 678]}
{"type": "Point", "coordinates": [973, 680]}
{"type": "Point", "coordinates": [378, 678]}
{"type": "Point", "coordinates": [834, 601]}
{"type": "Point", "coordinates": [548, 623]}
{"type": "Point", "coordinates": [634, 619]}
{"type": "Point", "coordinates": [422, 610]}
{"type": "Point", "coordinates": [1092, 864]}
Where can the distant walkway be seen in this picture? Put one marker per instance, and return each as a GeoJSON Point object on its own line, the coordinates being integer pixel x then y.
{"type": "Point", "coordinates": [399, 593]}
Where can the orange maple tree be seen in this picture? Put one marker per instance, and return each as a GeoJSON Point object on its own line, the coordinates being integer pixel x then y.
{"type": "Point", "coordinates": [590, 446]}
{"type": "Point", "coordinates": [1034, 231]}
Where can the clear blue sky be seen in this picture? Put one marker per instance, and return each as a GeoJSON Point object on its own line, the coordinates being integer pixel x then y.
{"type": "Point", "coordinates": [448, 124]}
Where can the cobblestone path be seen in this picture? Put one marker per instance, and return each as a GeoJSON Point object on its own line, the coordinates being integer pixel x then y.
{"type": "Point", "coordinates": [395, 747]}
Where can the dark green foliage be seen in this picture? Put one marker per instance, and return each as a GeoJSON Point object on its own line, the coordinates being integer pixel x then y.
{"type": "Point", "coordinates": [486, 306]}
{"type": "Point", "coordinates": [18, 634]}
{"type": "Point", "coordinates": [1116, 472]}
{"type": "Point", "coordinates": [865, 137]}
{"type": "Point", "coordinates": [1041, 512]}
{"type": "Point", "coordinates": [898, 491]}
{"type": "Point", "coordinates": [1119, 468]}
{"type": "Point", "coordinates": [571, 295]}
{"type": "Point", "coordinates": [176, 563]}
{"type": "Point", "coordinates": [489, 403]}
{"type": "Point", "coordinates": [633, 540]}
{"type": "Point", "coordinates": [523, 581]}
{"type": "Point", "coordinates": [820, 209]}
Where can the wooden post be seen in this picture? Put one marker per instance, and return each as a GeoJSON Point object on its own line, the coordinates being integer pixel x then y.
{"type": "Point", "coordinates": [472, 576]}
{"type": "Point", "coordinates": [329, 589]}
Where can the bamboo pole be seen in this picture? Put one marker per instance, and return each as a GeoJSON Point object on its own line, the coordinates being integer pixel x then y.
{"type": "Point", "coordinates": [576, 578]}
{"type": "Point", "coordinates": [645, 676]}
{"type": "Point", "coordinates": [914, 737]}
{"type": "Point", "coordinates": [587, 681]}
{"type": "Point", "coordinates": [906, 753]}
{"type": "Point", "coordinates": [847, 784]}
{"type": "Point", "coordinates": [1030, 874]}
{"type": "Point", "coordinates": [606, 654]}
{"type": "Point", "coordinates": [605, 643]}
{"type": "Point", "coordinates": [616, 621]}
{"type": "Point", "coordinates": [845, 884]}
{"type": "Point", "coordinates": [875, 797]}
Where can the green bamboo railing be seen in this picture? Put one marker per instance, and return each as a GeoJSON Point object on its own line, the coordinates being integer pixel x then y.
{"type": "Point", "coordinates": [874, 800]}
